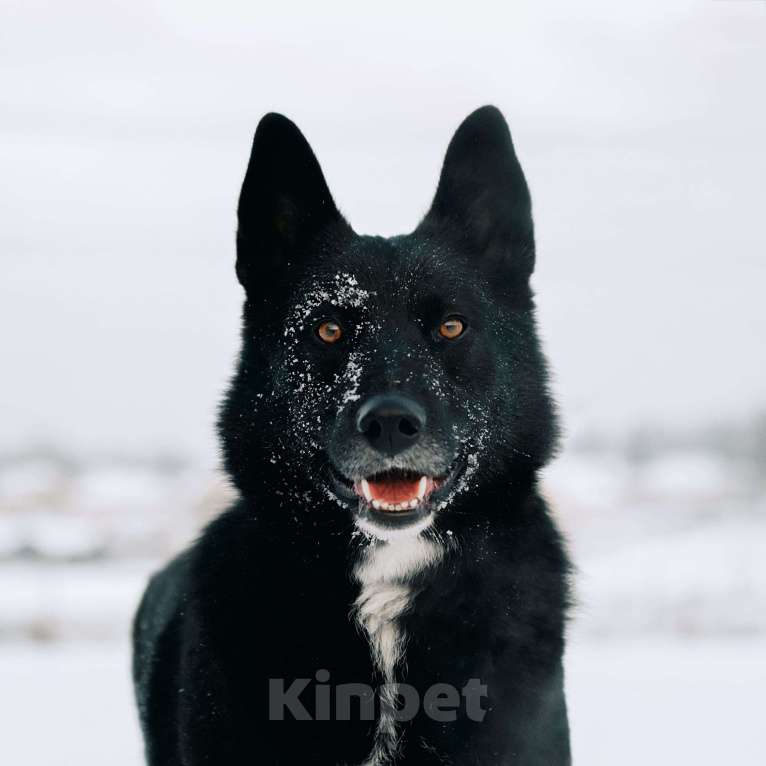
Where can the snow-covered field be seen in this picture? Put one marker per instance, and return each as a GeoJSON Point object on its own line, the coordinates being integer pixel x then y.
{"type": "Point", "coordinates": [702, 581]}
{"type": "Point", "coordinates": [667, 654]}
{"type": "Point", "coordinates": [631, 703]}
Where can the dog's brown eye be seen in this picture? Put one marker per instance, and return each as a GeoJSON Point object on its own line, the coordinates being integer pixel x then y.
{"type": "Point", "coordinates": [451, 328]}
{"type": "Point", "coordinates": [329, 331]}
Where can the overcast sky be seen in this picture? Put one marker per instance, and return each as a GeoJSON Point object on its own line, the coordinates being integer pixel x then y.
{"type": "Point", "coordinates": [125, 130]}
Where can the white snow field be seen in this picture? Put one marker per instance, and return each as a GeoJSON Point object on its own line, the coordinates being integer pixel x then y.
{"type": "Point", "coordinates": [667, 653]}
{"type": "Point", "coordinates": [631, 703]}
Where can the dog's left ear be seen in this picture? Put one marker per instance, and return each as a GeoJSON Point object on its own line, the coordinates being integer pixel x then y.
{"type": "Point", "coordinates": [284, 202]}
{"type": "Point", "coordinates": [483, 198]}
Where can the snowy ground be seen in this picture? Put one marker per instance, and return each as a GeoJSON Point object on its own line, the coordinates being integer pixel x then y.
{"type": "Point", "coordinates": [631, 704]}
{"type": "Point", "coordinates": [707, 580]}
{"type": "Point", "coordinates": [667, 653]}
{"type": "Point", "coordinates": [667, 703]}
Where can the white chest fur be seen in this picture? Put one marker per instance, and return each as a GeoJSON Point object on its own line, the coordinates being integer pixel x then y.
{"type": "Point", "coordinates": [384, 573]}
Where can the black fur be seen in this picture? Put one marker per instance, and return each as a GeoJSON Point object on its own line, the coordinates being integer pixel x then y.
{"type": "Point", "coordinates": [267, 591]}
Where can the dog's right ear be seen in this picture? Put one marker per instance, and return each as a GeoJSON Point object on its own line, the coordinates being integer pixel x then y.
{"type": "Point", "coordinates": [284, 202]}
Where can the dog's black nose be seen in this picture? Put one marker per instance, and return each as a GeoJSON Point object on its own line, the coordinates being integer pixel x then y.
{"type": "Point", "coordinates": [391, 422]}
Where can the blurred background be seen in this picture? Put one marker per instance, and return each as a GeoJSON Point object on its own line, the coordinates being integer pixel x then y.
{"type": "Point", "coordinates": [124, 134]}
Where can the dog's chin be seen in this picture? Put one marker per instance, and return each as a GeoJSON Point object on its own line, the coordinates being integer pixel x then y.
{"type": "Point", "coordinates": [395, 503]}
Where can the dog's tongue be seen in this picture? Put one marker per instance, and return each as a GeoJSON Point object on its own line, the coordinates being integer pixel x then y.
{"type": "Point", "coordinates": [394, 490]}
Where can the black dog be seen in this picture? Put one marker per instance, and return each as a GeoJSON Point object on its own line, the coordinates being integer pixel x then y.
{"type": "Point", "coordinates": [390, 587]}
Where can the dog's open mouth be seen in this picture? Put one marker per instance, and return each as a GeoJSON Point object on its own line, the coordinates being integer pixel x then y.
{"type": "Point", "coordinates": [396, 498]}
{"type": "Point", "coordinates": [396, 491]}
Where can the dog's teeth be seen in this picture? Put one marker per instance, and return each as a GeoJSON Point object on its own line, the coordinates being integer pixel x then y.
{"type": "Point", "coordinates": [422, 484]}
{"type": "Point", "coordinates": [366, 490]}
{"type": "Point", "coordinates": [405, 505]}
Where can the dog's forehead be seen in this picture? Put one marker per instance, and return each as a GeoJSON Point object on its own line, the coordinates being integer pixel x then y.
{"type": "Point", "coordinates": [373, 271]}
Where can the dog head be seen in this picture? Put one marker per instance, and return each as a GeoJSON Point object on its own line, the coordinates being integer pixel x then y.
{"type": "Point", "coordinates": [392, 376]}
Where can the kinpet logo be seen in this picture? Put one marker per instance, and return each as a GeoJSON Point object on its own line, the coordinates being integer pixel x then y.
{"type": "Point", "coordinates": [440, 702]}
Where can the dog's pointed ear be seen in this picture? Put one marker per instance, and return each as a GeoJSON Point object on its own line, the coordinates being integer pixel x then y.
{"type": "Point", "coordinates": [482, 196]}
{"type": "Point", "coordinates": [284, 202]}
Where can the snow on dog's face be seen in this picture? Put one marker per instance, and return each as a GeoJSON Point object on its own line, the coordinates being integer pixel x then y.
{"type": "Point", "coordinates": [389, 375]}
